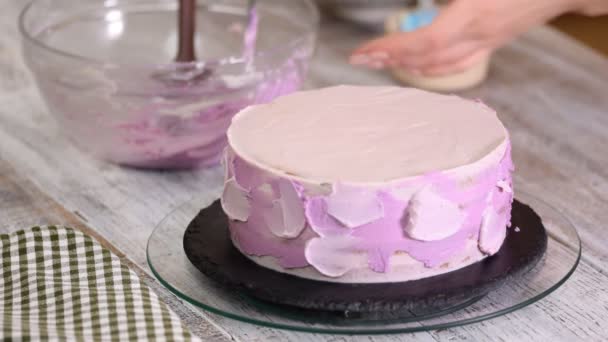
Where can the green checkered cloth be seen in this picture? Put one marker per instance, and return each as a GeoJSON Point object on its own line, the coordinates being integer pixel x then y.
{"type": "Point", "coordinates": [58, 284]}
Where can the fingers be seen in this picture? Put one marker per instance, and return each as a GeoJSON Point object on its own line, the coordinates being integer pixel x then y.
{"type": "Point", "coordinates": [453, 60]}
{"type": "Point", "coordinates": [434, 44]}
{"type": "Point", "coordinates": [394, 48]}
{"type": "Point", "coordinates": [456, 66]}
{"type": "Point", "coordinates": [374, 60]}
{"type": "Point", "coordinates": [448, 55]}
{"type": "Point", "coordinates": [396, 44]}
{"type": "Point", "coordinates": [378, 59]}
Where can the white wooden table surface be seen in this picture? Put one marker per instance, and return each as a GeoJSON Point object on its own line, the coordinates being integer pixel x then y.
{"type": "Point", "coordinates": [551, 92]}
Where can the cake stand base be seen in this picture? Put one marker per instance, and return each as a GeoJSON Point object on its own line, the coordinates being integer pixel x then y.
{"type": "Point", "coordinates": [208, 246]}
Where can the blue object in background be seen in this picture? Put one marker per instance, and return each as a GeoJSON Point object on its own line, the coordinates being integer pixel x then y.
{"type": "Point", "coordinates": [418, 19]}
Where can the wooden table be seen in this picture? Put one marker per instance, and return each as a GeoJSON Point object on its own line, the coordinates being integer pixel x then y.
{"type": "Point", "coordinates": [551, 92]}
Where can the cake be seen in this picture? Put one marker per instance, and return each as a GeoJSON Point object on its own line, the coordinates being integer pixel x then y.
{"type": "Point", "coordinates": [358, 184]}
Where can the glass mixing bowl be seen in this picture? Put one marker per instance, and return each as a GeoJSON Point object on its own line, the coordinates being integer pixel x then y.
{"type": "Point", "coordinates": [106, 71]}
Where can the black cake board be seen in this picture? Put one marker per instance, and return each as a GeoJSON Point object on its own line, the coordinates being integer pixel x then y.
{"type": "Point", "coordinates": [208, 247]}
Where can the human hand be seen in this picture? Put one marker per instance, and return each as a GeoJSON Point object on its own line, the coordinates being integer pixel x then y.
{"type": "Point", "coordinates": [464, 33]}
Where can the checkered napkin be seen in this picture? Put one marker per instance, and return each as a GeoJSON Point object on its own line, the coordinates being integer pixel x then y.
{"type": "Point", "coordinates": [58, 284]}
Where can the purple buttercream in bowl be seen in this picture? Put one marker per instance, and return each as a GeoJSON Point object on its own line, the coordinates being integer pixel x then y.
{"type": "Point", "coordinates": [105, 71]}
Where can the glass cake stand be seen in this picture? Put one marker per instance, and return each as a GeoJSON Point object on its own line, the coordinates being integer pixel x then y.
{"type": "Point", "coordinates": [170, 265]}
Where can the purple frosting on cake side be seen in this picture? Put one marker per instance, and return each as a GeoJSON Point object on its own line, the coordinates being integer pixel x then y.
{"type": "Point", "coordinates": [379, 238]}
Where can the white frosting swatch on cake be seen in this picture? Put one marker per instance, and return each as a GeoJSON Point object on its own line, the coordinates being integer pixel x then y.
{"type": "Point", "coordinates": [235, 202]}
{"type": "Point", "coordinates": [504, 186]}
{"type": "Point", "coordinates": [354, 207]}
{"type": "Point", "coordinates": [360, 136]}
{"type": "Point", "coordinates": [227, 165]}
{"type": "Point", "coordinates": [286, 217]}
{"type": "Point", "coordinates": [493, 231]}
{"type": "Point", "coordinates": [404, 193]}
{"type": "Point", "coordinates": [432, 217]}
{"type": "Point", "coordinates": [334, 256]}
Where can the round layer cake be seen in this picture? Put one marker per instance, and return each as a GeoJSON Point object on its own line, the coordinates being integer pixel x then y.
{"type": "Point", "coordinates": [368, 184]}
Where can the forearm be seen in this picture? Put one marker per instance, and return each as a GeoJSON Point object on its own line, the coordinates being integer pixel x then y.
{"type": "Point", "coordinates": [466, 30]}
{"type": "Point", "coordinates": [591, 7]}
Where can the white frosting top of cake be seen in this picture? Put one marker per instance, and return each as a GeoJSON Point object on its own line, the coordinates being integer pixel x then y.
{"type": "Point", "coordinates": [365, 134]}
